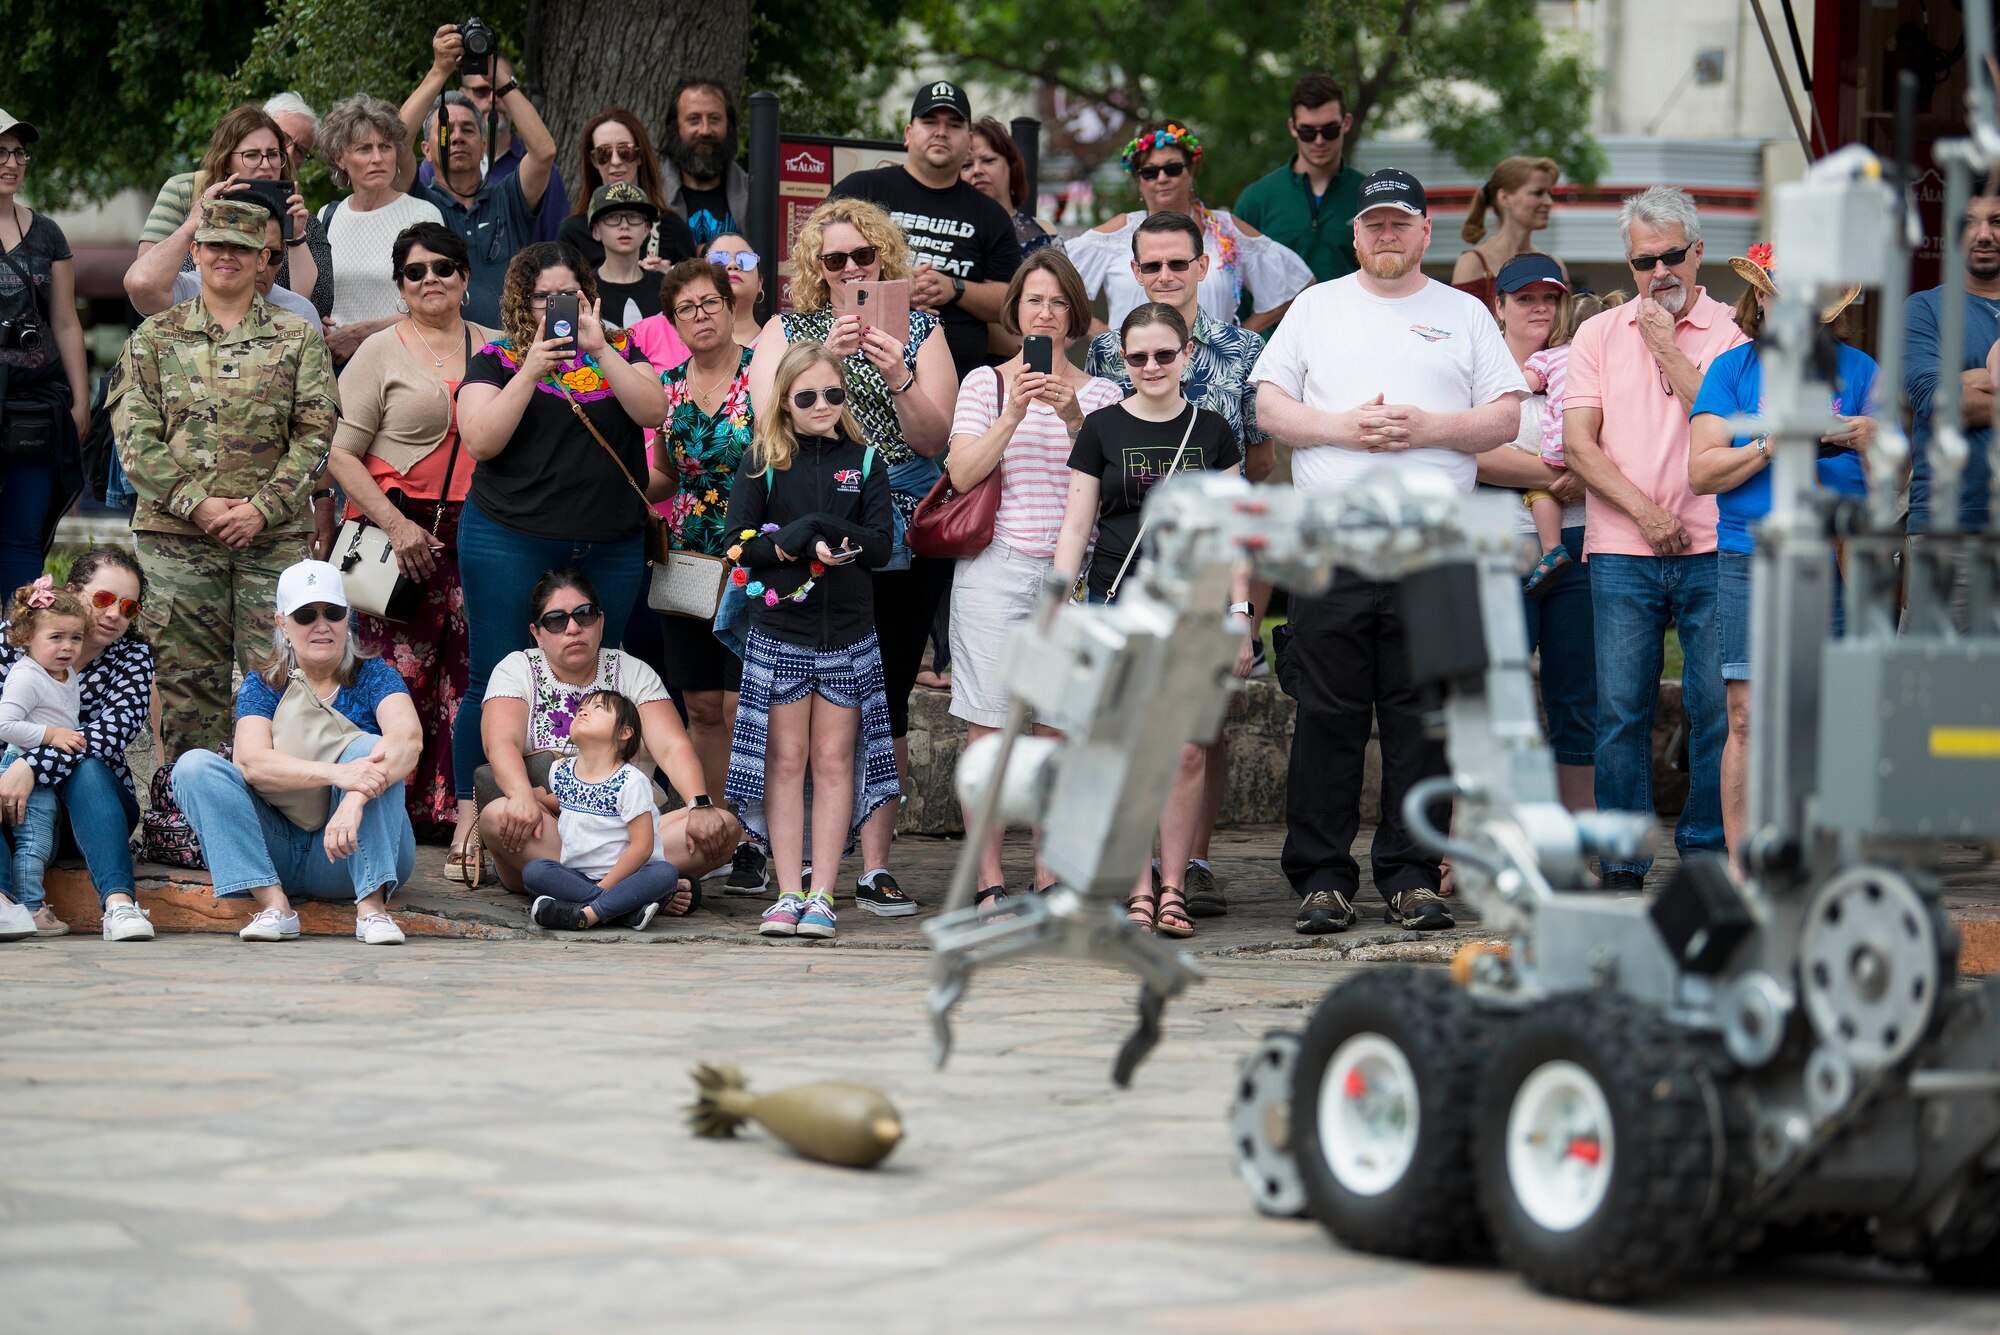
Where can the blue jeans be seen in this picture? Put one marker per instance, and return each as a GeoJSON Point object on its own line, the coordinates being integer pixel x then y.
{"type": "Point", "coordinates": [1561, 624]}
{"type": "Point", "coordinates": [1634, 600]}
{"type": "Point", "coordinates": [30, 844]}
{"type": "Point", "coordinates": [26, 490]}
{"type": "Point", "coordinates": [102, 815]}
{"type": "Point", "coordinates": [248, 842]}
{"type": "Point", "coordinates": [654, 883]}
{"type": "Point", "coordinates": [498, 569]}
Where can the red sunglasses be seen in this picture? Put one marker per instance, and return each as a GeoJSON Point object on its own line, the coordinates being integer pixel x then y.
{"type": "Point", "coordinates": [103, 598]}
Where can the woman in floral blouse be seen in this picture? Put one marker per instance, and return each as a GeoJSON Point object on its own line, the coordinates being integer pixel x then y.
{"type": "Point", "coordinates": [116, 671]}
{"type": "Point", "coordinates": [694, 463]}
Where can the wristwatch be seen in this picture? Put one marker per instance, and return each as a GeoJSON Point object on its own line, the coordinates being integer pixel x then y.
{"type": "Point", "coordinates": [904, 388]}
{"type": "Point", "coordinates": [1243, 610]}
{"type": "Point", "coordinates": [957, 287]}
{"type": "Point", "coordinates": [1763, 444]}
{"type": "Point", "coordinates": [511, 86]}
{"type": "Point", "coordinates": [298, 240]}
{"type": "Point", "coordinates": [701, 800]}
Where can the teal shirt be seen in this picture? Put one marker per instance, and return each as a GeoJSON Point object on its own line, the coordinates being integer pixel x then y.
{"type": "Point", "coordinates": [1280, 206]}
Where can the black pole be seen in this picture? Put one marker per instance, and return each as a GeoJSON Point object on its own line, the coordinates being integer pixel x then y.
{"type": "Point", "coordinates": [763, 220]}
{"type": "Point", "coordinates": [1027, 132]}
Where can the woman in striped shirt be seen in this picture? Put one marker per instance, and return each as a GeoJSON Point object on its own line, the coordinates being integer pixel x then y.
{"type": "Point", "coordinates": [1023, 423]}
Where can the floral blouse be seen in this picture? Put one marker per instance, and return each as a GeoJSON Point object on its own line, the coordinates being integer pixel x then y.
{"type": "Point", "coordinates": [706, 451]}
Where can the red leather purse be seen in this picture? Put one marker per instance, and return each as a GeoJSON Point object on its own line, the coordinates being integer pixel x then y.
{"type": "Point", "coordinates": [950, 524]}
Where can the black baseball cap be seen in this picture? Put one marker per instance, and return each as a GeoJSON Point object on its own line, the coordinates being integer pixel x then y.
{"type": "Point", "coordinates": [943, 93]}
{"type": "Point", "coordinates": [1392, 188]}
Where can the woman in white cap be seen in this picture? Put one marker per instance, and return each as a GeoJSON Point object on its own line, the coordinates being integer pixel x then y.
{"type": "Point", "coordinates": [313, 805]}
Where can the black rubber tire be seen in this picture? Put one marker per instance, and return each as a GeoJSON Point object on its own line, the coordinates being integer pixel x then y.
{"type": "Point", "coordinates": [1428, 1214]}
{"type": "Point", "coordinates": [1670, 1153]}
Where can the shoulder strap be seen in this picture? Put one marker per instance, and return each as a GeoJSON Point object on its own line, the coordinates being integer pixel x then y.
{"type": "Point", "coordinates": [326, 213]}
{"type": "Point", "coordinates": [451, 463]}
{"type": "Point", "coordinates": [1194, 415]}
{"type": "Point", "coordinates": [867, 462]}
{"type": "Point", "coordinates": [598, 436]}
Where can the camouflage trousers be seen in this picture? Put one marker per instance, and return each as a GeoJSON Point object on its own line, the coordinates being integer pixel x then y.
{"type": "Point", "coordinates": [208, 608]}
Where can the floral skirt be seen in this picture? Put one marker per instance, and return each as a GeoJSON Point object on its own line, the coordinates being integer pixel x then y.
{"type": "Point", "coordinates": [776, 673]}
{"type": "Point", "coordinates": [433, 653]}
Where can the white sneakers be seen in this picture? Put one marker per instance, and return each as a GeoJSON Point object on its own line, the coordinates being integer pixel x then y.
{"type": "Point", "coordinates": [127, 922]}
{"type": "Point", "coordinates": [376, 929]}
{"type": "Point", "coordinates": [272, 925]}
{"type": "Point", "coordinates": [16, 923]}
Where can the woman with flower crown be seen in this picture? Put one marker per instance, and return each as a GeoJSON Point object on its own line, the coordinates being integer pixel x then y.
{"type": "Point", "coordinates": [1164, 158]}
{"type": "Point", "coordinates": [556, 419]}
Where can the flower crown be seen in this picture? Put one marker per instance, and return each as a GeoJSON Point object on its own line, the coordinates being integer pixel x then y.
{"type": "Point", "coordinates": [1760, 255]}
{"type": "Point", "coordinates": [1172, 136]}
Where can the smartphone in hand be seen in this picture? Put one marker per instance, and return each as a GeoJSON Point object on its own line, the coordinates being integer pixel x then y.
{"type": "Point", "coordinates": [560, 318]}
{"type": "Point", "coordinates": [884, 304]}
{"type": "Point", "coordinates": [1037, 353]}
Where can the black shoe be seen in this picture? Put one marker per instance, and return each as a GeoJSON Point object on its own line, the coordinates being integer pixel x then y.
{"type": "Point", "coordinates": [638, 918]}
{"type": "Point", "coordinates": [749, 872]}
{"type": "Point", "coordinates": [1419, 910]}
{"type": "Point", "coordinates": [1204, 896]}
{"type": "Point", "coordinates": [554, 915]}
{"type": "Point", "coordinates": [1322, 912]}
{"type": "Point", "coordinates": [1622, 880]}
{"type": "Point", "coordinates": [883, 897]}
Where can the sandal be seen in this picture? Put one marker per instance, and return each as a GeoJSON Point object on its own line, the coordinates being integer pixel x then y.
{"type": "Point", "coordinates": [683, 887]}
{"type": "Point", "coordinates": [468, 865]}
{"type": "Point", "coordinates": [1554, 561]}
{"type": "Point", "coordinates": [1140, 911]}
{"type": "Point", "coordinates": [1172, 918]}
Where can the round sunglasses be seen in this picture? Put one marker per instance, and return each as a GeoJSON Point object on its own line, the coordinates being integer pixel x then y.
{"type": "Point", "coordinates": [806, 398]}
{"type": "Point", "coordinates": [414, 272]}
{"type": "Point", "coordinates": [312, 612]}
{"type": "Point", "coordinates": [605, 154]}
{"type": "Point", "coordinates": [103, 598]}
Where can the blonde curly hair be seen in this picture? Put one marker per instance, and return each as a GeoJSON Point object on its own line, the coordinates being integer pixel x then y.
{"type": "Point", "coordinates": [809, 287]}
{"type": "Point", "coordinates": [518, 319]}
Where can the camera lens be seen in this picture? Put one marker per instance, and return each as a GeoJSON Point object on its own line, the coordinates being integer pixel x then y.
{"type": "Point", "coordinates": [30, 337]}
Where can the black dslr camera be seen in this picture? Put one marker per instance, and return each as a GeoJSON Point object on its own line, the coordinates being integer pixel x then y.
{"type": "Point", "coordinates": [480, 46]}
{"type": "Point", "coordinates": [22, 335]}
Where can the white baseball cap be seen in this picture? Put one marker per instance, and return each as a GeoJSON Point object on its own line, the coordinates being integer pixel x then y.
{"type": "Point", "coordinates": [310, 582]}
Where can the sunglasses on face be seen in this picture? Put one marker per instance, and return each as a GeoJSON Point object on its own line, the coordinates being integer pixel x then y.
{"type": "Point", "coordinates": [103, 598]}
{"type": "Point", "coordinates": [605, 154]}
{"type": "Point", "coordinates": [1309, 133]}
{"type": "Point", "coordinates": [745, 260]}
{"type": "Point", "coordinates": [687, 310]}
{"type": "Point", "coordinates": [1140, 360]}
{"type": "Point", "coordinates": [834, 261]}
{"type": "Point", "coordinates": [414, 273]}
{"type": "Point", "coordinates": [1168, 170]}
{"type": "Point", "coordinates": [1151, 267]}
{"type": "Point", "coordinates": [1670, 258]}
{"type": "Point", "coordinates": [806, 398]}
{"type": "Point", "coordinates": [312, 612]}
{"type": "Point", "coordinates": [556, 620]}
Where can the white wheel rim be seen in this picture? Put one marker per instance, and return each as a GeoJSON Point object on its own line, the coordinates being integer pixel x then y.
{"type": "Point", "coordinates": [1369, 1114]}
{"type": "Point", "coordinates": [1559, 1146]}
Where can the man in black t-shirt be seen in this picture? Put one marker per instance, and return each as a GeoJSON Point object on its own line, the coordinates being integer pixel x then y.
{"type": "Point", "coordinates": [698, 170]}
{"type": "Point", "coordinates": [963, 242]}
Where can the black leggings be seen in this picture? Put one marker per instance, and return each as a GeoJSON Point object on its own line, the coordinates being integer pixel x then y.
{"type": "Point", "coordinates": [906, 603]}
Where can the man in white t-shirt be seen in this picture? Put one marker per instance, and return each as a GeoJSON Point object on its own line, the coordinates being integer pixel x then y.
{"type": "Point", "coordinates": [1380, 370]}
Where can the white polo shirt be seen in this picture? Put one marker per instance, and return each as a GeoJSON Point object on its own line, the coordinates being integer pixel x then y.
{"type": "Point", "coordinates": [1340, 345]}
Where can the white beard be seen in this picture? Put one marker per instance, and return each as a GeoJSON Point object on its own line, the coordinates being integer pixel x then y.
{"type": "Point", "coordinates": [1672, 300]}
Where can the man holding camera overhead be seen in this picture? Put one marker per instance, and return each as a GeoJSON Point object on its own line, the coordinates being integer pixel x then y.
{"type": "Point", "coordinates": [495, 214]}
{"type": "Point", "coordinates": [222, 407]}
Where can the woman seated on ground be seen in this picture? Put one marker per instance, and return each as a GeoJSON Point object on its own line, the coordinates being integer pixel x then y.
{"type": "Point", "coordinates": [271, 825]}
{"type": "Point", "coordinates": [530, 702]}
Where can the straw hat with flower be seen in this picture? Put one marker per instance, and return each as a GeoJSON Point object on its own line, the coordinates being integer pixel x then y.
{"type": "Point", "coordinates": [1759, 269]}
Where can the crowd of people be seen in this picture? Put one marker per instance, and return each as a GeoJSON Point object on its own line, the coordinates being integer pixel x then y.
{"type": "Point", "coordinates": [529, 409]}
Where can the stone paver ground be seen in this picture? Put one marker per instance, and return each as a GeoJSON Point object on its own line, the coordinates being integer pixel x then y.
{"type": "Point", "coordinates": [205, 1136]}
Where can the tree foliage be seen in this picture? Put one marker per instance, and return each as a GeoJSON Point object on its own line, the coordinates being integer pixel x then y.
{"type": "Point", "coordinates": [1481, 76]}
{"type": "Point", "coordinates": [830, 63]}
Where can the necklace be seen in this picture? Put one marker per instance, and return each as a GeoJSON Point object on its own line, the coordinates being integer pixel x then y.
{"type": "Point", "coordinates": [436, 360]}
{"type": "Point", "coordinates": [728, 374]}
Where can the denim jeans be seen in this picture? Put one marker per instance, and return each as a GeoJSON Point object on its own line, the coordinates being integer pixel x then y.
{"type": "Point", "coordinates": [26, 489]}
{"type": "Point", "coordinates": [102, 815]}
{"type": "Point", "coordinates": [1560, 623]}
{"type": "Point", "coordinates": [654, 883]}
{"type": "Point", "coordinates": [1634, 599]}
{"type": "Point", "coordinates": [29, 845]}
{"type": "Point", "coordinates": [498, 569]}
{"type": "Point", "coordinates": [248, 842]}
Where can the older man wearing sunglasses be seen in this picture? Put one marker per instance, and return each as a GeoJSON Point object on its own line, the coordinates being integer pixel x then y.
{"type": "Point", "coordinates": [1649, 543]}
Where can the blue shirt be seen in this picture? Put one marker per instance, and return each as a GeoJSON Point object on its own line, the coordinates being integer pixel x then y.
{"type": "Point", "coordinates": [1921, 324]}
{"type": "Point", "coordinates": [1735, 384]}
{"type": "Point", "coordinates": [555, 200]}
{"type": "Point", "coordinates": [498, 224]}
{"type": "Point", "coordinates": [375, 682]}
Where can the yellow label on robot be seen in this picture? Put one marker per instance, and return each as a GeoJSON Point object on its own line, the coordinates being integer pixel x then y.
{"type": "Point", "coordinates": [1965, 743]}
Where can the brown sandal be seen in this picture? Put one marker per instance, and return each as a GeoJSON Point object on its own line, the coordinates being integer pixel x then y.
{"type": "Point", "coordinates": [1140, 911]}
{"type": "Point", "coordinates": [1171, 919]}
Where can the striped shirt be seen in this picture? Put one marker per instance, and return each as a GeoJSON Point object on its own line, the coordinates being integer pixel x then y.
{"type": "Point", "coordinates": [1552, 365]}
{"type": "Point", "coordinates": [1034, 470]}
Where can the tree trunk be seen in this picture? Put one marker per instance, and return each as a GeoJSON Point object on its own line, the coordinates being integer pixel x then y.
{"type": "Point", "coordinates": [593, 54]}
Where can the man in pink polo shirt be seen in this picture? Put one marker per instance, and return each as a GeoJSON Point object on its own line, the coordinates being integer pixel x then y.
{"type": "Point", "coordinates": [1649, 541]}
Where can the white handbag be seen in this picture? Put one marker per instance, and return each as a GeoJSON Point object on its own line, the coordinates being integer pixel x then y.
{"type": "Point", "coordinates": [687, 584]}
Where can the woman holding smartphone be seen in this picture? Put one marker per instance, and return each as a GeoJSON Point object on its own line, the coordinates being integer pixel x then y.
{"type": "Point", "coordinates": [1022, 418]}
{"type": "Point", "coordinates": [554, 412]}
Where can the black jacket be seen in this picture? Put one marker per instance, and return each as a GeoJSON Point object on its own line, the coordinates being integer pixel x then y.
{"type": "Point", "coordinates": [835, 489]}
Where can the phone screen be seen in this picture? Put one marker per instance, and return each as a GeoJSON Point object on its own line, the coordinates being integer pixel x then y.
{"type": "Point", "coordinates": [1037, 353]}
{"type": "Point", "coordinates": [559, 321]}
{"type": "Point", "coordinates": [275, 196]}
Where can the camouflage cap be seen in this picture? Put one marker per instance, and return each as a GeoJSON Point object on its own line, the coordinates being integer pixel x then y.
{"type": "Point", "coordinates": [232, 222]}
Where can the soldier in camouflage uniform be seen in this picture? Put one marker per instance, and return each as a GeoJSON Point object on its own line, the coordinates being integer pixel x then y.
{"type": "Point", "coordinates": [223, 407]}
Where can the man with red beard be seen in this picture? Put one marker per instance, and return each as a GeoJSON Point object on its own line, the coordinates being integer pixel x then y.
{"type": "Point", "coordinates": [1383, 370]}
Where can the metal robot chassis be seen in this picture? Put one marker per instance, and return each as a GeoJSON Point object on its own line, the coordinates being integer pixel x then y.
{"type": "Point", "coordinates": [1634, 1086]}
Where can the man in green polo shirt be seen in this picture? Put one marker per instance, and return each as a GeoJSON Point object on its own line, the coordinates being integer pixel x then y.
{"type": "Point", "coordinates": [1308, 203]}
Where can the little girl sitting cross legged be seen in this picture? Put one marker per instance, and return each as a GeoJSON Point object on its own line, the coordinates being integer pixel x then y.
{"type": "Point", "coordinates": [611, 869]}
{"type": "Point", "coordinates": [39, 707]}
